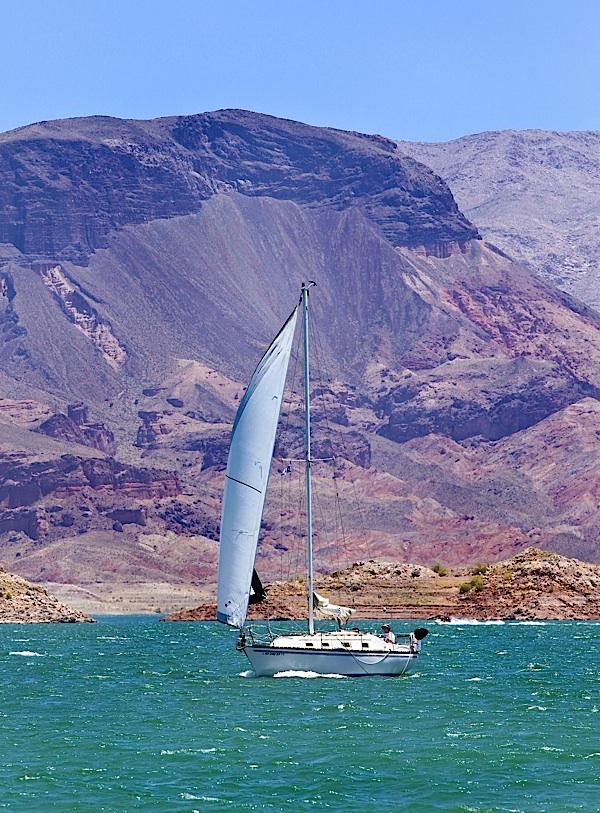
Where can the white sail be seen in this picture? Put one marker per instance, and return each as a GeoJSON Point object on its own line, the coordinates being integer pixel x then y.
{"type": "Point", "coordinates": [248, 466]}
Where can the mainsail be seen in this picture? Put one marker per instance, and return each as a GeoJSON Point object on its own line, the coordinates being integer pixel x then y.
{"type": "Point", "coordinates": [248, 466]}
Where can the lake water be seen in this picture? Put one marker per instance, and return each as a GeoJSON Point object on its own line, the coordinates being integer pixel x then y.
{"type": "Point", "coordinates": [134, 715]}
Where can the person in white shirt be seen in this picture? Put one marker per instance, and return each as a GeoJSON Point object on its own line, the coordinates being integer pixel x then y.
{"type": "Point", "coordinates": [388, 636]}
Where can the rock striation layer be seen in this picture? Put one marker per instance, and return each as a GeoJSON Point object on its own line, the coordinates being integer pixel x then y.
{"type": "Point", "coordinates": [65, 185]}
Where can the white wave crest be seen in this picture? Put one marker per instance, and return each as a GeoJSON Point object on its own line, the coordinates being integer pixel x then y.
{"type": "Point", "coordinates": [26, 653]}
{"type": "Point", "coordinates": [530, 623]}
{"type": "Point", "coordinates": [472, 621]}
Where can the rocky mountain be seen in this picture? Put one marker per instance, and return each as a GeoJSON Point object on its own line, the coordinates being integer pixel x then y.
{"type": "Point", "coordinates": [533, 193]}
{"type": "Point", "coordinates": [145, 267]}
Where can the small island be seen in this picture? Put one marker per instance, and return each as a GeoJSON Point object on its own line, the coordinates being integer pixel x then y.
{"type": "Point", "coordinates": [531, 585]}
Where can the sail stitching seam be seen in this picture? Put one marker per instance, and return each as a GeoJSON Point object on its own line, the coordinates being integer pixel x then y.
{"type": "Point", "coordinates": [241, 482]}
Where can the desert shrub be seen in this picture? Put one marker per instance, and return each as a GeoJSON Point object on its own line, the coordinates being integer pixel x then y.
{"type": "Point", "coordinates": [476, 583]}
{"type": "Point", "coordinates": [507, 575]}
{"type": "Point", "coordinates": [439, 569]}
{"type": "Point", "coordinates": [480, 569]}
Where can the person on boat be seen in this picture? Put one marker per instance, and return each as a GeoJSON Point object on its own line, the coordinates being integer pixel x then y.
{"type": "Point", "coordinates": [388, 636]}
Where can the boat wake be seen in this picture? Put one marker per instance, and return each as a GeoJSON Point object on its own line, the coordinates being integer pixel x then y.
{"type": "Point", "coordinates": [292, 673]}
{"type": "Point", "coordinates": [26, 653]}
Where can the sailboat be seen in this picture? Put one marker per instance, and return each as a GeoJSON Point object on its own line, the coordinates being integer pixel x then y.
{"type": "Point", "coordinates": [348, 652]}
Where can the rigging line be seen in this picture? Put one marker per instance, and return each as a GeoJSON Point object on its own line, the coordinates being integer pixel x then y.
{"type": "Point", "coordinates": [299, 534]}
{"type": "Point", "coordinates": [339, 434]}
{"type": "Point", "coordinates": [356, 502]}
{"type": "Point", "coordinates": [336, 509]}
{"type": "Point", "coordinates": [322, 528]}
{"type": "Point", "coordinates": [337, 512]}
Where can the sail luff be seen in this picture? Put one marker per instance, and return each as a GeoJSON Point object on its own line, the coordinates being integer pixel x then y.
{"type": "Point", "coordinates": [247, 475]}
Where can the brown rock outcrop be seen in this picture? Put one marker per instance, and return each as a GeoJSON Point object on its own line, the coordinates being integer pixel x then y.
{"type": "Point", "coordinates": [74, 427]}
{"type": "Point", "coordinates": [27, 520]}
{"type": "Point", "coordinates": [24, 603]}
{"type": "Point", "coordinates": [536, 584]}
{"type": "Point", "coordinates": [150, 430]}
{"type": "Point", "coordinates": [533, 584]}
{"type": "Point", "coordinates": [25, 484]}
{"type": "Point", "coordinates": [127, 516]}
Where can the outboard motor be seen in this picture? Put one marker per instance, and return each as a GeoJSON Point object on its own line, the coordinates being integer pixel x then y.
{"type": "Point", "coordinates": [416, 637]}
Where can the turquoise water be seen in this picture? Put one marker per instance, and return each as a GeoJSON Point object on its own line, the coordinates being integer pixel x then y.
{"type": "Point", "coordinates": [134, 715]}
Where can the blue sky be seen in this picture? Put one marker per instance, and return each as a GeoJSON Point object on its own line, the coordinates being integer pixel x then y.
{"type": "Point", "coordinates": [417, 69]}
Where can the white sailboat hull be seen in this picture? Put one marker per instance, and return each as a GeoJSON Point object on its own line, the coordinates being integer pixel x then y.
{"type": "Point", "coordinates": [267, 661]}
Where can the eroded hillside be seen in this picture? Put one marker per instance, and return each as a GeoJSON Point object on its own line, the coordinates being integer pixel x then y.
{"type": "Point", "coordinates": [146, 265]}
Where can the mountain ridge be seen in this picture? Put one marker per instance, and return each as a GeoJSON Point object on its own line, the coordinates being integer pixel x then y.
{"type": "Point", "coordinates": [438, 359]}
{"type": "Point", "coordinates": [534, 193]}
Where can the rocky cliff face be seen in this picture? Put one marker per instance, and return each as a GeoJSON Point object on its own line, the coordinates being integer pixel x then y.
{"type": "Point", "coordinates": [74, 427]}
{"type": "Point", "coordinates": [67, 185]}
{"type": "Point", "coordinates": [146, 266]}
{"type": "Point", "coordinates": [26, 483]}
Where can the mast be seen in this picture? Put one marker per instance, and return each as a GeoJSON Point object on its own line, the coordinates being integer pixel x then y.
{"type": "Point", "coordinates": [308, 459]}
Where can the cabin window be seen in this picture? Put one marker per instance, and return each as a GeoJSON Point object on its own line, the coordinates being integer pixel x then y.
{"type": "Point", "coordinates": [325, 644]}
{"type": "Point", "coordinates": [345, 643]}
{"type": "Point", "coordinates": [365, 646]}
{"type": "Point", "coordinates": [309, 644]}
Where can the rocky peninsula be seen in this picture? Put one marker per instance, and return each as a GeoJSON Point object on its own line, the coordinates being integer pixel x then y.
{"type": "Point", "coordinates": [532, 585]}
{"type": "Point", "coordinates": [24, 603]}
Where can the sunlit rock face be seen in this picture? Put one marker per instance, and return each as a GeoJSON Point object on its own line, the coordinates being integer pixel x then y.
{"type": "Point", "coordinates": [533, 193]}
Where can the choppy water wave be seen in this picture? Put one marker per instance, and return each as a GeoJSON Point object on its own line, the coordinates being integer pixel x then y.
{"type": "Point", "coordinates": [26, 653]}
{"type": "Point", "coordinates": [467, 622]}
{"type": "Point", "coordinates": [502, 718]}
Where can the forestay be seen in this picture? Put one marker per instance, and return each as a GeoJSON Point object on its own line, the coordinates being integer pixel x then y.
{"type": "Point", "coordinates": [248, 466]}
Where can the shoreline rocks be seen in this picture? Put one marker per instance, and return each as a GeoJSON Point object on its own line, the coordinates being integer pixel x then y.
{"type": "Point", "coordinates": [22, 602]}
{"type": "Point", "coordinates": [532, 585]}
